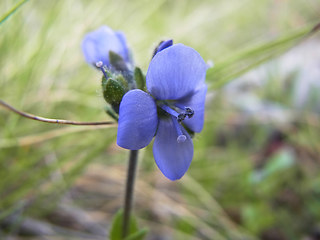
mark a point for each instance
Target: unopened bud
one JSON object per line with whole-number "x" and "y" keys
{"x": 113, "y": 92}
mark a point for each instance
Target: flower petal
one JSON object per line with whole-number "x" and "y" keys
{"x": 97, "y": 44}
{"x": 175, "y": 72}
{"x": 196, "y": 102}
{"x": 172, "y": 158}
{"x": 138, "y": 120}
{"x": 163, "y": 45}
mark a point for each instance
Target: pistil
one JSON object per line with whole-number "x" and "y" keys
{"x": 100, "y": 65}
{"x": 181, "y": 137}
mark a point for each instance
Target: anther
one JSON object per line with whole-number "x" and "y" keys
{"x": 189, "y": 112}
{"x": 181, "y": 117}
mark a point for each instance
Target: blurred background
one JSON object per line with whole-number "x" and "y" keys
{"x": 255, "y": 172}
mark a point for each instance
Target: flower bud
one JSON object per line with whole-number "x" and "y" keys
{"x": 113, "y": 92}
{"x": 98, "y": 44}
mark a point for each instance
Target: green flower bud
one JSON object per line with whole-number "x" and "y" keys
{"x": 113, "y": 92}
{"x": 121, "y": 80}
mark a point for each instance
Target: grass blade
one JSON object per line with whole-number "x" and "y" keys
{"x": 12, "y": 11}
{"x": 239, "y": 63}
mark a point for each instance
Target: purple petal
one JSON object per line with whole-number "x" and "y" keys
{"x": 197, "y": 103}
{"x": 138, "y": 120}
{"x": 97, "y": 44}
{"x": 175, "y": 72}
{"x": 164, "y": 45}
{"x": 172, "y": 158}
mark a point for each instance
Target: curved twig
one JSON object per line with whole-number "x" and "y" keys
{"x": 51, "y": 120}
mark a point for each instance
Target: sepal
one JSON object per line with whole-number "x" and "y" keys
{"x": 122, "y": 81}
{"x": 140, "y": 79}
{"x": 117, "y": 62}
{"x": 113, "y": 92}
{"x": 111, "y": 112}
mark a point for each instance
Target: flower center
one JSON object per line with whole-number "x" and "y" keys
{"x": 178, "y": 117}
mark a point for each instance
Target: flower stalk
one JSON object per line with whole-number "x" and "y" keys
{"x": 128, "y": 200}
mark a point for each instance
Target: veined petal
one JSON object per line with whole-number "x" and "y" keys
{"x": 172, "y": 158}
{"x": 196, "y": 102}
{"x": 175, "y": 72}
{"x": 97, "y": 44}
{"x": 138, "y": 120}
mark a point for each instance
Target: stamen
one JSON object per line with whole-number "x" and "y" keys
{"x": 170, "y": 110}
{"x": 187, "y": 111}
{"x": 181, "y": 137}
{"x": 181, "y": 117}
{"x": 100, "y": 65}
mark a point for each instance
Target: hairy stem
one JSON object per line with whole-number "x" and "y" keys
{"x": 133, "y": 158}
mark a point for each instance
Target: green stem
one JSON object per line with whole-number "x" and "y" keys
{"x": 133, "y": 158}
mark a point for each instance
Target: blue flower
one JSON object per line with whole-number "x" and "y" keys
{"x": 97, "y": 45}
{"x": 176, "y": 82}
{"x": 163, "y": 45}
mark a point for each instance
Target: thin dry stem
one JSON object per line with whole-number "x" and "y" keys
{"x": 52, "y": 120}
